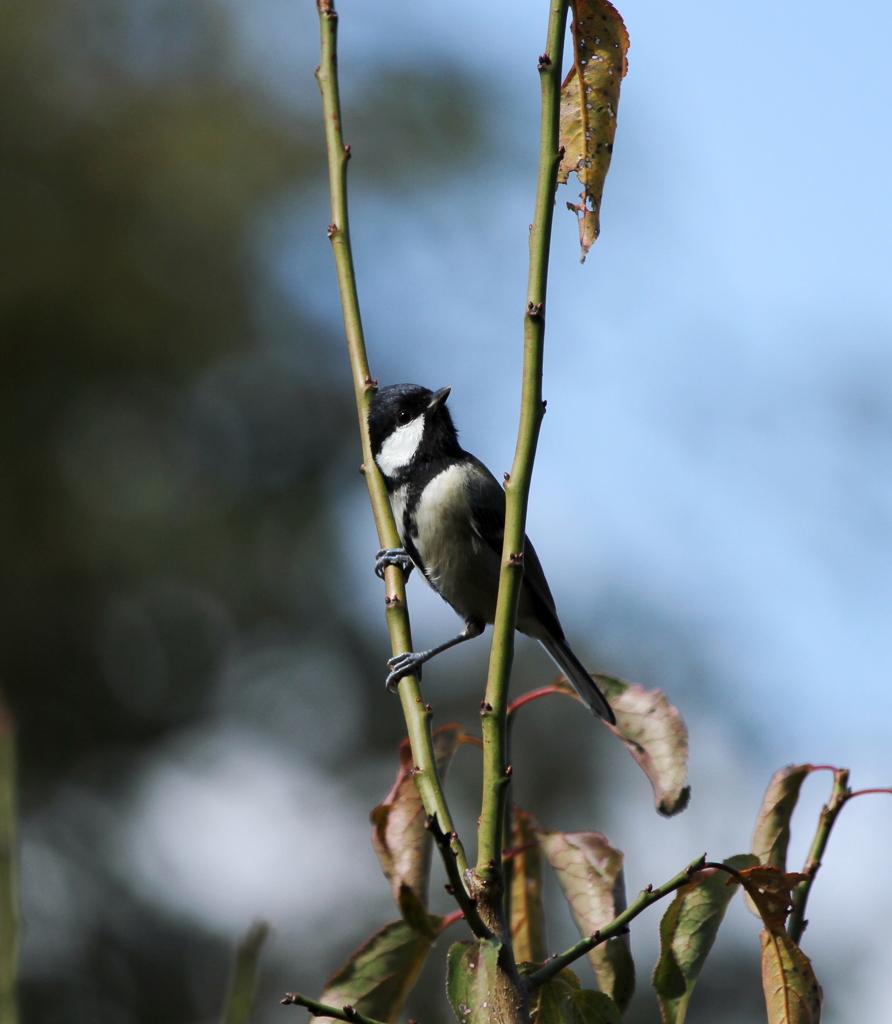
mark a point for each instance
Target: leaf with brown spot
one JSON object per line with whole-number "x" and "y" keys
{"x": 474, "y": 986}
{"x": 654, "y": 733}
{"x": 590, "y": 871}
{"x": 589, "y": 101}
{"x": 792, "y": 992}
{"x": 527, "y": 911}
{"x": 400, "y": 839}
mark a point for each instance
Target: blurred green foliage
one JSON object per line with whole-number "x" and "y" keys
{"x": 167, "y": 420}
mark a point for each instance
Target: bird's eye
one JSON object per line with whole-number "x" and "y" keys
{"x": 404, "y": 417}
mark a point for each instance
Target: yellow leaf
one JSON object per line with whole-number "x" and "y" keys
{"x": 589, "y": 101}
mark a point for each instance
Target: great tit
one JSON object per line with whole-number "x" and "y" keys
{"x": 450, "y": 512}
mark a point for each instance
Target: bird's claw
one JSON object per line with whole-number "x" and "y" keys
{"x": 393, "y": 556}
{"x": 403, "y": 665}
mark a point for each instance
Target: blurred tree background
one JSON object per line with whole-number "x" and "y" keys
{"x": 168, "y": 430}
{"x": 189, "y": 639}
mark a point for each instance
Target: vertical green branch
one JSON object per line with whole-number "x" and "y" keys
{"x": 417, "y": 713}
{"x": 495, "y": 708}
{"x": 838, "y": 799}
{"x": 9, "y": 895}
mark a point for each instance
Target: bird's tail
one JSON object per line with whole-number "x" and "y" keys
{"x": 582, "y": 681}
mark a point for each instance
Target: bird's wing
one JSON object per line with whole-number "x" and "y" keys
{"x": 487, "y": 501}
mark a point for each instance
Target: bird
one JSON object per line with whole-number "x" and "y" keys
{"x": 450, "y": 514}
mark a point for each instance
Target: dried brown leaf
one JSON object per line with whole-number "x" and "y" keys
{"x": 400, "y": 839}
{"x": 527, "y": 911}
{"x": 589, "y": 101}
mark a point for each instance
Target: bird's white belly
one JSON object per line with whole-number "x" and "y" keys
{"x": 462, "y": 569}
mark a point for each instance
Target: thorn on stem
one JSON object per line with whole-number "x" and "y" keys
{"x": 509, "y": 771}
{"x": 370, "y": 383}
{"x": 450, "y": 889}
{"x": 392, "y": 601}
{"x": 544, "y": 62}
{"x": 649, "y": 888}
{"x": 515, "y": 558}
{"x": 362, "y": 468}
{"x": 347, "y": 153}
{"x": 485, "y": 707}
{"x": 332, "y": 230}
{"x": 534, "y": 310}
{"x": 428, "y": 707}
{"x": 507, "y": 477}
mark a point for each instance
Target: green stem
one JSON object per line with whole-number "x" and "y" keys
{"x": 838, "y": 799}
{"x": 618, "y": 926}
{"x": 318, "y": 1009}
{"x": 417, "y": 713}
{"x": 9, "y": 896}
{"x": 495, "y": 707}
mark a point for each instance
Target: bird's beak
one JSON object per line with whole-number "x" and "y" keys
{"x": 438, "y": 398}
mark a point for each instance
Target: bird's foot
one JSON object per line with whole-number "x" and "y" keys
{"x": 404, "y": 665}
{"x": 392, "y": 556}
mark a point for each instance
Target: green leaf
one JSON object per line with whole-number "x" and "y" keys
{"x": 243, "y": 982}
{"x": 687, "y": 933}
{"x": 563, "y": 1001}
{"x": 527, "y": 911}
{"x": 380, "y": 974}
{"x": 590, "y": 871}
{"x": 655, "y": 734}
{"x": 772, "y": 835}
{"x": 588, "y": 124}
{"x": 400, "y": 839}
{"x": 472, "y": 980}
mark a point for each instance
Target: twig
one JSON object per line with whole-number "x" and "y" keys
{"x": 9, "y": 894}
{"x": 495, "y": 775}
{"x": 456, "y": 885}
{"x": 318, "y": 1009}
{"x": 618, "y": 926}
{"x": 840, "y": 795}
{"x": 531, "y": 695}
{"x": 418, "y": 718}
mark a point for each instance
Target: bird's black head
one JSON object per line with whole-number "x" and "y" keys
{"x": 409, "y": 424}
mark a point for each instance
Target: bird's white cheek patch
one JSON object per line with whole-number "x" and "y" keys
{"x": 399, "y": 449}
